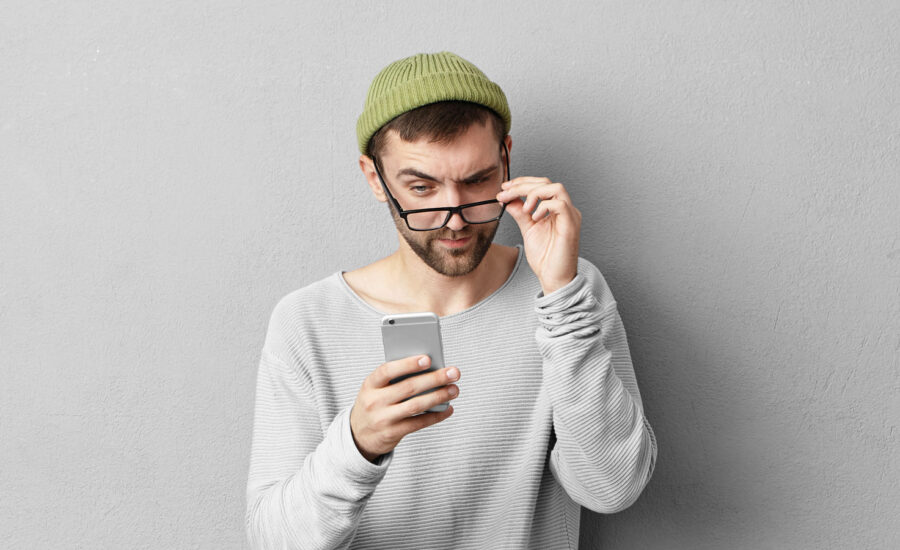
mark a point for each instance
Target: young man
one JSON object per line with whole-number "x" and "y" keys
{"x": 545, "y": 411}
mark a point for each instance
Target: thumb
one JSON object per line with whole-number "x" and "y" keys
{"x": 516, "y": 209}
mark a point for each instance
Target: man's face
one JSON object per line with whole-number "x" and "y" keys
{"x": 423, "y": 174}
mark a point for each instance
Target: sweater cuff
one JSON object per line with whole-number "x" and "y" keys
{"x": 357, "y": 466}
{"x": 570, "y": 309}
{"x": 577, "y": 282}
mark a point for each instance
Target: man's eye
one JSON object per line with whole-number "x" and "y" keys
{"x": 419, "y": 189}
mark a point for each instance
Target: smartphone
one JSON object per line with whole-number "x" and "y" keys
{"x": 406, "y": 334}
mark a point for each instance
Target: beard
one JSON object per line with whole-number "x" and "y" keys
{"x": 450, "y": 262}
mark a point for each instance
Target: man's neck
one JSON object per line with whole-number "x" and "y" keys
{"x": 402, "y": 282}
{"x": 429, "y": 290}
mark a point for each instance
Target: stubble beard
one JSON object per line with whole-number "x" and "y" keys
{"x": 450, "y": 262}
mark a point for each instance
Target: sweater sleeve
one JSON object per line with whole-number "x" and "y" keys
{"x": 307, "y": 485}
{"x": 605, "y": 450}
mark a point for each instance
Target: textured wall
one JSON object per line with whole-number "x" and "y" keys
{"x": 169, "y": 170}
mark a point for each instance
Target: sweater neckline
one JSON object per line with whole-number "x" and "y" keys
{"x": 453, "y": 317}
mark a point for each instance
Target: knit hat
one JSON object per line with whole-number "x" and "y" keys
{"x": 426, "y": 78}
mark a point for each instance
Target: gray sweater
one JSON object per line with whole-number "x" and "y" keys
{"x": 549, "y": 417}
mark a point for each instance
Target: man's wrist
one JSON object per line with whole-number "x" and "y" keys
{"x": 365, "y": 454}
{"x": 553, "y": 286}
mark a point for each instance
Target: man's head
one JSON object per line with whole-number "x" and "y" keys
{"x": 423, "y": 79}
{"x": 432, "y": 134}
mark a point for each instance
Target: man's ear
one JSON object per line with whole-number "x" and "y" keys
{"x": 368, "y": 169}
{"x": 508, "y": 141}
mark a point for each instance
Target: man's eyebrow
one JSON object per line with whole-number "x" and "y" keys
{"x": 415, "y": 173}
{"x": 423, "y": 176}
{"x": 479, "y": 175}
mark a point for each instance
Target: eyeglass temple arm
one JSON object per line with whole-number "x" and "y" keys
{"x": 387, "y": 191}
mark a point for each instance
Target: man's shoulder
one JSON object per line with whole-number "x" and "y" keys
{"x": 299, "y": 316}
{"x": 329, "y": 285}
{"x": 313, "y": 297}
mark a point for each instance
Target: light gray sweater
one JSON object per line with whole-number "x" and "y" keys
{"x": 549, "y": 417}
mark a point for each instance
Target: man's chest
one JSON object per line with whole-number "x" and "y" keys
{"x": 499, "y": 362}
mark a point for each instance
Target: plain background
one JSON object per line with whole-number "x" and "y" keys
{"x": 170, "y": 170}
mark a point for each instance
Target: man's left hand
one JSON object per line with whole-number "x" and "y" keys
{"x": 550, "y": 233}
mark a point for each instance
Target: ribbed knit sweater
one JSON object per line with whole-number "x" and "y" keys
{"x": 549, "y": 417}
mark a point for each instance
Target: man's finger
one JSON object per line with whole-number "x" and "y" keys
{"x": 423, "y": 420}
{"x": 515, "y": 208}
{"x": 524, "y": 180}
{"x": 386, "y": 372}
{"x": 533, "y": 192}
{"x": 568, "y": 220}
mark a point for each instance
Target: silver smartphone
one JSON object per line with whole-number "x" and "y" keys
{"x": 406, "y": 334}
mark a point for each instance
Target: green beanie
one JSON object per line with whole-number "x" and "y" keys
{"x": 421, "y": 79}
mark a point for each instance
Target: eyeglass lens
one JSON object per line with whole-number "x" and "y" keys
{"x": 479, "y": 213}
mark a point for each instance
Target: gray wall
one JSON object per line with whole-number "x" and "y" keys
{"x": 169, "y": 170}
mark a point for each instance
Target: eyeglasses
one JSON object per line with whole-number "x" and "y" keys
{"x": 429, "y": 219}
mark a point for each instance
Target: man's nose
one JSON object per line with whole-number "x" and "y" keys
{"x": 456, "y": 222}
{"x": 454, "y": 197}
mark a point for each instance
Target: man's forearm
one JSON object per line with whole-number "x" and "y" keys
{"x": 605, "y": 450}
{"x": 320, "y": 505}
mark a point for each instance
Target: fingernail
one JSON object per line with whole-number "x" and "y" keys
{"x": 452, "y": 374}
{"x": 452, "y": 391}
{"x": 423, "y": 361}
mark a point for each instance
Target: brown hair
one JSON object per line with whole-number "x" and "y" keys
{"x": 440, "y": 122}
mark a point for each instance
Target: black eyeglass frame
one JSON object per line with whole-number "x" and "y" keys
{"x": 450, "y": 210}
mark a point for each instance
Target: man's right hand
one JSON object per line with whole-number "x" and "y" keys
{"x": 378, "y": 419}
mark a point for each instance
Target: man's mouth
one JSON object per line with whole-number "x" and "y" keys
{"x": 455, "y": 243}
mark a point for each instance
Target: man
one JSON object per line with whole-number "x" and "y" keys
{"x": 545, "y": 411}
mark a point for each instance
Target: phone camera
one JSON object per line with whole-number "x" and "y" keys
{"x": 390, "y": 321}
